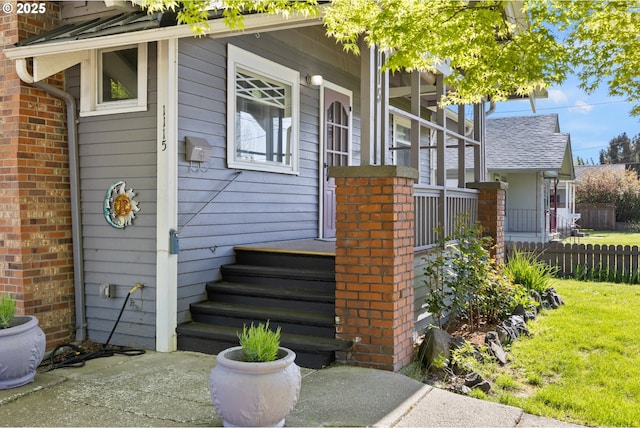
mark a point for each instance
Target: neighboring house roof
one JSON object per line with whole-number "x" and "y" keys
{"x": 527, "y": 144}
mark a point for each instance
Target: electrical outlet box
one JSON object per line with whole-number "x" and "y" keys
{"x": 197, "y": 149}
{"x": 107, "y": 291}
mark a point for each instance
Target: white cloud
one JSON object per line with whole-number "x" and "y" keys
{"x": 557, "y": 96}
{"x": 581, "y": 107}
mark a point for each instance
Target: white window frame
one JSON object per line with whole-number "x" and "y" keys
{"x": 91, "y": 75}
{"x": 240, "y": 59}
{"x": 397, "y": 142}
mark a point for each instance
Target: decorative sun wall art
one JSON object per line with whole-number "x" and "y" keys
{"x": 119, "y": 206}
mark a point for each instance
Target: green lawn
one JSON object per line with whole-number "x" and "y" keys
{"x": 606, "y": 237}
{"x": 582, "y": 362}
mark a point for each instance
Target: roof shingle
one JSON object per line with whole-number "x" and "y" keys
{"x": 525, "y": 143}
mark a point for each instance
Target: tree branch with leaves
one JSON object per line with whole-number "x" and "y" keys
{"x": 494, "y": 54}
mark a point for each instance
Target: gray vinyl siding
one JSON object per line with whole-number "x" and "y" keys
{"x": 258, "y": 206}
{"x": 117, "y": 147}
{"x": 420, "y": 291}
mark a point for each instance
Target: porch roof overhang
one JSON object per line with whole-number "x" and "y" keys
{"x": 70, "y": 44}
{"x": 547, "y": 173}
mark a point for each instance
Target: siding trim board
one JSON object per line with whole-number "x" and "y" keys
{"x": 167, "y": 188}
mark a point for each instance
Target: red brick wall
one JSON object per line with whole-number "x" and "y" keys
{"x": 491, "y": 213}
{"x": 36, "y": 262}
{"x": 375, "y": 264}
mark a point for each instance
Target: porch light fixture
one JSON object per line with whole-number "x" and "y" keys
{"x": 314, "y": 80}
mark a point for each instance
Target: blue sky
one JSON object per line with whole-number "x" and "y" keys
{"x": 592, "y": 120}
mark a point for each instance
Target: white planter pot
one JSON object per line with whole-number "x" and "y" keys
{"x": 254, "y": 394}
{"x": 21, "y": 351}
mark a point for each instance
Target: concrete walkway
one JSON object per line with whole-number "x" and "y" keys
{"x": 158, "y": 389}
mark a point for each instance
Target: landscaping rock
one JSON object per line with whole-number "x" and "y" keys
{"x": 495, "y": 347}
{"x": 491, "y": 336}
{"x": 506, "y": 333}
{"x": 519, "y": 324}
{"x": 551, "y": 296}
{"x": 483, "y": 386}
{"x": 519, "y": 309}
{"x": 461, "y": 389}
{"x": 537, "y": 297}
{"x": 529, "y": 313}
{"x": 498, "y": 352}
{"x": 436, "y": 342}
{"x": 458, "y": 342}
{"x": 511, "y": 329}
{"x": 474, "y": 380}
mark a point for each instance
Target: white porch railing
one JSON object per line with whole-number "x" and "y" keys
{"x": 434, "y": 203}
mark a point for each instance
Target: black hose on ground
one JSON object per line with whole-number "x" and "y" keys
{"x": 72, "y": 356}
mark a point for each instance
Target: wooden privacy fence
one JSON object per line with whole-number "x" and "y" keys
{"x": 573, "y": 258}
{"x": 597, "y": 216}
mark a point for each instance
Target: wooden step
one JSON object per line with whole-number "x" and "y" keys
{"x": 289, "y": 320}
{"x": 311, "y": 352}
{"x": 275, "y": 292}
{"x": 278, "y": 276}
{"x": 285, "y": 258}
{"x": 308, "y": 299}
{"x": 291, "y": 285}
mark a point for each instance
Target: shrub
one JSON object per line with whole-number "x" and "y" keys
{"x": 500, "y": 296}
{"x": 468, "y": 358}
{"x": 527, "y": 270}
{"x": 7, "y": 310}
{"x": 465, "y": 281}
{"x": 259, "y": 343}
{"x": 618, "y": 187}
{"x": 456, "y": 273}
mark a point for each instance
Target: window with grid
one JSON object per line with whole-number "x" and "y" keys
{"x": 262, "y": 114}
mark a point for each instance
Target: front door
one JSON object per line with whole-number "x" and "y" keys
{"x": 336, "y": 150}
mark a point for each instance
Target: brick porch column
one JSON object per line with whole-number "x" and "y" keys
{"x": 491, "y": 213}
{"x": 36, "y": 259}
{"x": 374, "y": 264}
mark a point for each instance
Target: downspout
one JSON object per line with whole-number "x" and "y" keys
{"x": 74, "y": 184}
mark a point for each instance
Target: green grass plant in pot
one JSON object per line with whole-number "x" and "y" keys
{"x": 22, "y": 345}
{"x": 256, "y": 383}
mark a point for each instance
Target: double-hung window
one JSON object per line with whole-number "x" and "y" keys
{"x": 401, "y": 141}
{"x": 262, "y": 115}
{"x": 114, "y": 80}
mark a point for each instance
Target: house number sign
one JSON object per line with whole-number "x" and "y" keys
{"x": 119, "y": 206}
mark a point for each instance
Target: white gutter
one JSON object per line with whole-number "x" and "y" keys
{"x": 22, "y": 71}
{"x": 253, "y": 24}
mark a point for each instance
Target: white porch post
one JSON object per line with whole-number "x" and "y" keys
{"x": 167, "y": 188}
{"x": 441, "y": 142}
{"x": 462, "y": 152}
{"x": 479, "y": 170}
{"x": 367, "y": 107}
{"x": 415, "y": 125}
{"x": 374, "y": 123}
